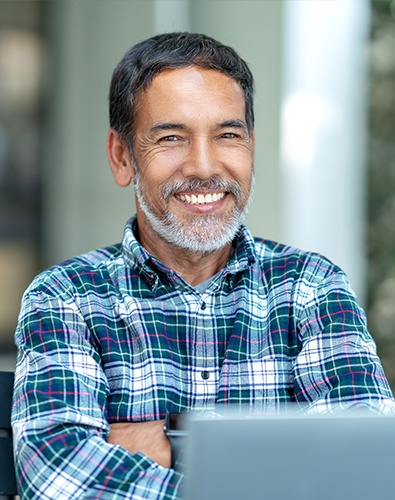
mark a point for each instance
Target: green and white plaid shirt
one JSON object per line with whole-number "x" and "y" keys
{"x": 115, "y": 335}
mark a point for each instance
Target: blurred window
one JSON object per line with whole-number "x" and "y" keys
{"x": 21, "y": 75}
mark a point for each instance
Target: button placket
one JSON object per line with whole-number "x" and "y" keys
{"x": 205, "y": 323}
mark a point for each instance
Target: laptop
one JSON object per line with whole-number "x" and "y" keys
{"x": 350, "y": 456}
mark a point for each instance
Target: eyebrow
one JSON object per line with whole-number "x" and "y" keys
{"x": 167, "y": 126}
{"x": 233, "y": 123}
{"x": 179, "y": 126}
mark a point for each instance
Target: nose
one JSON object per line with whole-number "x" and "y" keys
{"x": 202, "y": 160}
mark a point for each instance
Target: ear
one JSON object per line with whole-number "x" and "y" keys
{"x": 253, "y": 144}
{"x": 119, "y": 159}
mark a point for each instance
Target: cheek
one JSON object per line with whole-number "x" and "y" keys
{"x": 241, "y": 168}
{"x": 241, "y": 155}
{"x": 152, "y": 183}
{"x": 158, "y": 168}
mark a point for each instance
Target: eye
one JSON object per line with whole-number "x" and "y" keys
{"x": 169, "y": 138}
{"x": 229, "y": 135}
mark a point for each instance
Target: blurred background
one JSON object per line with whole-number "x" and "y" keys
{"x": 325, "y": 127}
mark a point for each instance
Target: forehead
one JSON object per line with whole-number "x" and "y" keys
{"x": 189, "y": 91}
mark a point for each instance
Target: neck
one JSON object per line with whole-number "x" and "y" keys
{"x": 193, "y": 267}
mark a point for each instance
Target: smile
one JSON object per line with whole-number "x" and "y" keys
{"x": 200, "y": 199}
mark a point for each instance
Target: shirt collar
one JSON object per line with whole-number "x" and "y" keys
{"x": 243, "y": 253}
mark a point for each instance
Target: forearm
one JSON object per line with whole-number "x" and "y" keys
{"x": 147, "y": 438}
{"x": 337, "y": 366}
{"x": 60, "y": 437}
{"x": 80, "y": 464}
{"x": 348, "y": 380}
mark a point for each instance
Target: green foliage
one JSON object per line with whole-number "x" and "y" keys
{"x": 381, "y": 184}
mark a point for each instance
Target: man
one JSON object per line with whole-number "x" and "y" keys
{"x": 189, "y": 311}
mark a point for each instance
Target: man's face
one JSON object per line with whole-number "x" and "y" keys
{"x": 194, "y": 158}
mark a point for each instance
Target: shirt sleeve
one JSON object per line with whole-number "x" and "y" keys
{"x": 59, "y": 414}
{"x": 337, "y": 367}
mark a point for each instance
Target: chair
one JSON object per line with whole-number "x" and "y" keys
{"x": 8, "y": 488}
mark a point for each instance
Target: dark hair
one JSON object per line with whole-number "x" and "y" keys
{"x": 145, "y": 60}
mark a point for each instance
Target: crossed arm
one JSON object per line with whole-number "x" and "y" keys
{"x": 145, "y": 437}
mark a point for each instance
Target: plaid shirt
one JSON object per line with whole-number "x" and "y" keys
{"x": 115, "y": 335}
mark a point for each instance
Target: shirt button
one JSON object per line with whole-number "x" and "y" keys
{"x": 205, "y": 375}
{"x": 203, "y": 306}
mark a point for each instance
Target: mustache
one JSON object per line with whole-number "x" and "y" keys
{"x": 194, "y": 183}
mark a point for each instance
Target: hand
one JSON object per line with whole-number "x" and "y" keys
{"x": 144, "y": 437}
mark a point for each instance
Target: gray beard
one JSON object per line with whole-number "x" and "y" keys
{"x": 201, "y": 234}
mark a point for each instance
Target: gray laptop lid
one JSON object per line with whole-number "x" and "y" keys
{"x": 291, "y": 457}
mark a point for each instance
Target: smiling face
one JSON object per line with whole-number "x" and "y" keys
{"x": 194, "y": 159}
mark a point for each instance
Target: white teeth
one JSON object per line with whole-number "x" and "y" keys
{"x": 201, "y": 199}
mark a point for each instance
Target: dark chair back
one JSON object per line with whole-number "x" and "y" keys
{"x": 8, "y": 487}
